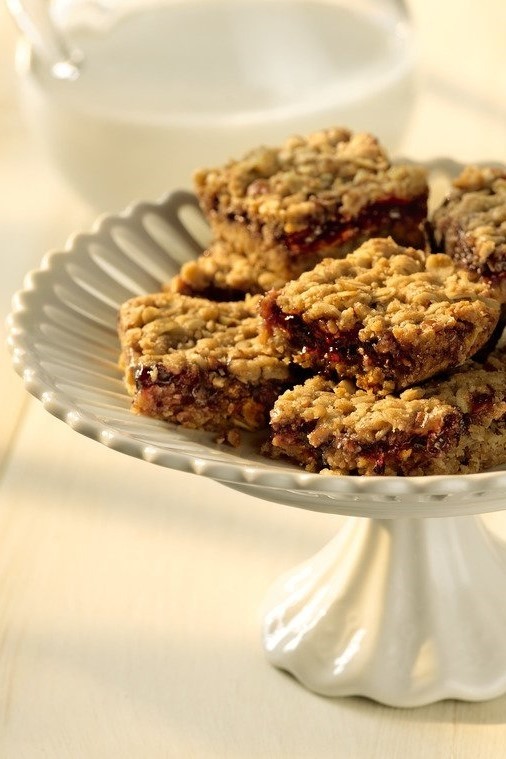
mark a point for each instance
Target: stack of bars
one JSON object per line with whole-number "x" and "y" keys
{"x": 331, "y": 312}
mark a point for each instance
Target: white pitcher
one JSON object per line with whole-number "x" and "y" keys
{"x": 131, "y": 96}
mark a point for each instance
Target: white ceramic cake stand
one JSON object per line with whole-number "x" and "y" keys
{"x": 406, "y": 606}
{"x": 404, "y": 611}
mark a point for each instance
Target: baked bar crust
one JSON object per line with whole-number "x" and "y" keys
{"x": 223, "y": 273}
{"x": 454, "y": 425}
{"x": 199, "y": 363}
{"x": 385, "y": 315}
{"x": 470, "y": 225}
{"x": 315, "y": 196}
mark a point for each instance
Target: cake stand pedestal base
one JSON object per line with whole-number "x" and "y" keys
{"x": 402, "y": 611}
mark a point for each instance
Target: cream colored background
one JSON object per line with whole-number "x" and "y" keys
{"x": 130, "y": 595}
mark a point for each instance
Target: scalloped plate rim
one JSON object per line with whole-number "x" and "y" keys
{"x": 60, "y": 405}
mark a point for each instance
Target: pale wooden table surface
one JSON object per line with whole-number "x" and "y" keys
{"x": 130, "y": 595}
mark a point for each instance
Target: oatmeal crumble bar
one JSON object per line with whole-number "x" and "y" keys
{"x": 315, "y": 196}
{"x": 385, "y": 315}
{"x": 222, "y": 273}
{"x": 470, "y": 225}
{"x": 454, "y": 425}
{"x": 199, "y": 363}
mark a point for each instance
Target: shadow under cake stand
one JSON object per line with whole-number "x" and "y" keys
{"x": 407, "y": 605}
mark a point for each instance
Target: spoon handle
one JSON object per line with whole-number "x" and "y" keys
{"x": 34, "y": 21}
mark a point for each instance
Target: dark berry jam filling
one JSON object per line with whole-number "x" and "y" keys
{"x": 461, "y": 249}
{"x": 399, "y": 218}
{"x": 220, "y": 294}
{"x": 481, "y": 403}
{"x": 388, "y": 451}
{"x": 343, "y": 351}
{"x": 291, "y": 440}
{"x": 192, "y": 399}
{"x": 148, "y": 375}
{"x": 311, "y": 340}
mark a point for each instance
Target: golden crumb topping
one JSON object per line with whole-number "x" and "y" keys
{"x": 179, "y": 332}
{"x": 457, "y": 424}
{"x": 223, "y": 268}
{"x": 305, "y": 181}
{"x": 341, "y": 407}
{"x": 383, "y": 286}
{"x": 472, "y": 221}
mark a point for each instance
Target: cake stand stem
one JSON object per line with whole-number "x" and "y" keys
{"x": 403, "y": 611}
